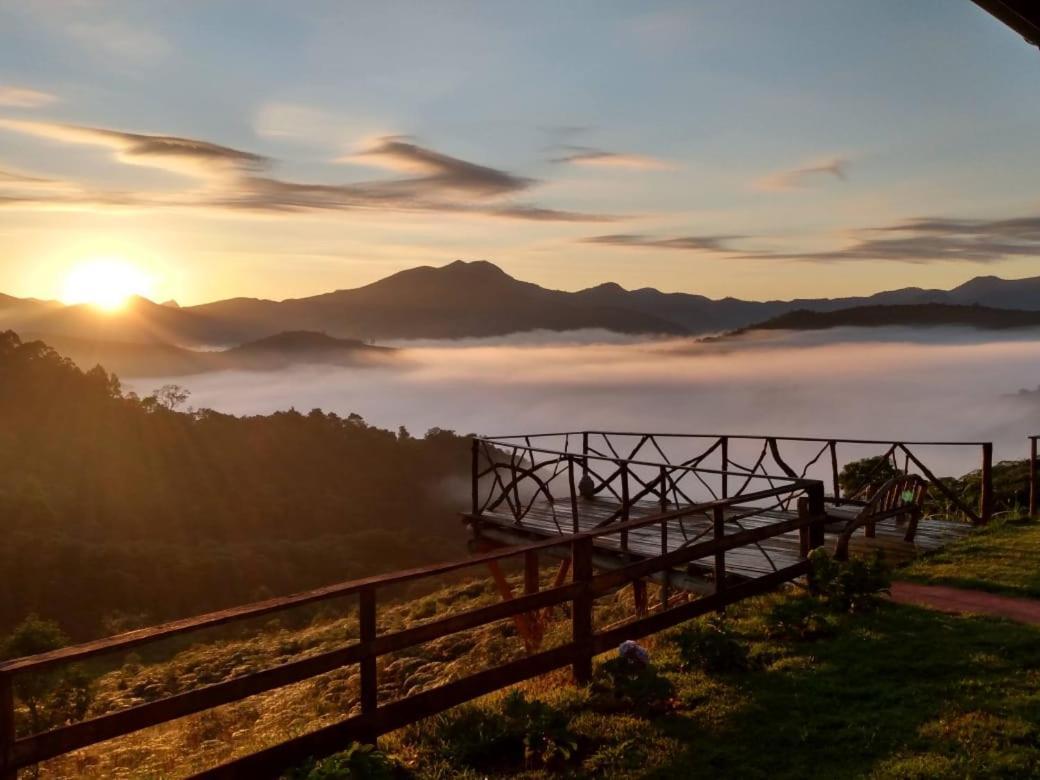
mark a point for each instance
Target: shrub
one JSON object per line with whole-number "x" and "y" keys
{"x": 358, "y": 762}
{"x": 799, "y": 618}
{"x": 517, "y": 732}
{"x": 848, "y": 586}
{"x": 710, "y": 645}
{"x": 51, "y": 698}
{"x": 621, "y": 683}
{"x": 866, "y": 475}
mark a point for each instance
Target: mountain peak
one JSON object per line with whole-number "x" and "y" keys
{"x": 482, "y": 268}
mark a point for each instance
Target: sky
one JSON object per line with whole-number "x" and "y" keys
{"x": 752, "y": 148}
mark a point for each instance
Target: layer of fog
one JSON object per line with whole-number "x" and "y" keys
{"x": 891, "y": 383}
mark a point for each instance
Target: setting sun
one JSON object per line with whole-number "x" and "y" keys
{"x": 106, "y": 283}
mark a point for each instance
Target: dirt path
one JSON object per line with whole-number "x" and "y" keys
{"x": 957, "y": 600}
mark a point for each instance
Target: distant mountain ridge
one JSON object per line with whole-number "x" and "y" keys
{"x": 465, "y": 300}
{"x": 283, "y": 350}
{"x": 914, "y": 315}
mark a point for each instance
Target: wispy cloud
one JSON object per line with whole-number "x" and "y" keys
{"x": 182, "y": 155}
{"x": 934, "y": 240}
{"x": 587, "y": 155}
{"x": 688, "y": 243}
{"x": 440, "y": 173}
{"x": 233, "y": 179}
{"x": 22, "y": 97}
{"x": 806, "y": 176}
{"x": 919, "y": 241}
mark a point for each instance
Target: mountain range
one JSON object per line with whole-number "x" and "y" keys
{"x": 907, "y": 315}
{"x": 462, "y": 299}
{"x": 133, "y": 359}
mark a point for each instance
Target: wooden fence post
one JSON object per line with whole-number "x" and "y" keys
{"x": 475, "y": 469}
{"x": 725, "y": 466}
{"x": 815, "y": 507}
{"x": 664, "y": 573}
{"x": 1032, "y": 476}
{"x": 719, "y": 527}
{"x": 624, "y": 491}
{"x": 7, "y": 733}
{"x": 574, "y": 495}
{"x": 581, "y": 615}
{"x": 986, "y": 496}
{"x": 835, "y": 480}
{"x": 369, "y": 674}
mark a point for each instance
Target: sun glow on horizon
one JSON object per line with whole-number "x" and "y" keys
{"x": 107, "y": 283}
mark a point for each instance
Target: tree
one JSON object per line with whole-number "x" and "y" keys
{"x": 51, "y": 698}
{"x": 171, "y": 396}
{"x": 861, "y": 478}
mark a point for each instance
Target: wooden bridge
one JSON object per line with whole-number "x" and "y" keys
{"x": 617, "y": 510}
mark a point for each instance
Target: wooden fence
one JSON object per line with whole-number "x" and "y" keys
{"x": 1033, "y": 487}
{"x": 377, "y": 718}
{"x": 736, "y": 457}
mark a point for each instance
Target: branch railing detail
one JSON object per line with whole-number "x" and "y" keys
{"x": 377, "y": 718}
{"x": 723, "y": 465}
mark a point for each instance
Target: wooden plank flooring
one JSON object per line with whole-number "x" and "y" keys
{"x": 545, "y": 520}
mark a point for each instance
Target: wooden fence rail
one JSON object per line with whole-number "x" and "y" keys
{"x": 375, "y": 718}
{"x": 772, "y": 451}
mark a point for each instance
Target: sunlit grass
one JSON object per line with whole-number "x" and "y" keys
{"x": 901, "y": 692}
{"x": 1004, "y": 558}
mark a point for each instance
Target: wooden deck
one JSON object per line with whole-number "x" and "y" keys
{"x": 545, "y": 520}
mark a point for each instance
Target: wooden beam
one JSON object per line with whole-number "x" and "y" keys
{"x": 581, "y": 616}
{"x": 1032, "y": 476}
{"x": 1022, "y": 16}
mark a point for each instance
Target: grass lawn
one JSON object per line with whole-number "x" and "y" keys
{"x": 1004, "y": 558}
{"x": 898, "y": 693}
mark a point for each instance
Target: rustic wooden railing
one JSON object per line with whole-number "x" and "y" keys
{"x": 1033, "y": 486}
{"x": 738, "y": 456}
{"x": 377, "y": 718}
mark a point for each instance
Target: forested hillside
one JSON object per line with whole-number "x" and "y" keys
{"x": 118, "y": 510}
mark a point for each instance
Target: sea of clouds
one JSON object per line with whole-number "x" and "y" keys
{"x": 888, "y": 383}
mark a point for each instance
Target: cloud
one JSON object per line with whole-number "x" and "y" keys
{"x": 689, "y": 243}
{"x": 232, "y": 179}
{"x": 21, "y": 97}
{"x": 807, "y": 176}
{"x": 783, "y": 384}
{"x": 565, "y": 131}
{"x": 440, "y": 172}
{"x": 182, "y": 155}
{"x": 587, "y": 155}
{"x": 936, "y": 239}
{"x": 920, "y": 241}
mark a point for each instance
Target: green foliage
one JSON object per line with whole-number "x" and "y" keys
{"x": 709, "y": 644}
{"x": 849, "y": 586}
{"x": 100, "y": 492}
{"x": 1010, "y": 488}
{"x": 626, "y": 756}
{"x": 517, "y": 732}
{"x": 799, "y": 619}
{"x": 622, "y": 684}
{"x": 50, "y": 698}
{"x": 358, "y": 762}
{"x": 861, "y": 478}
